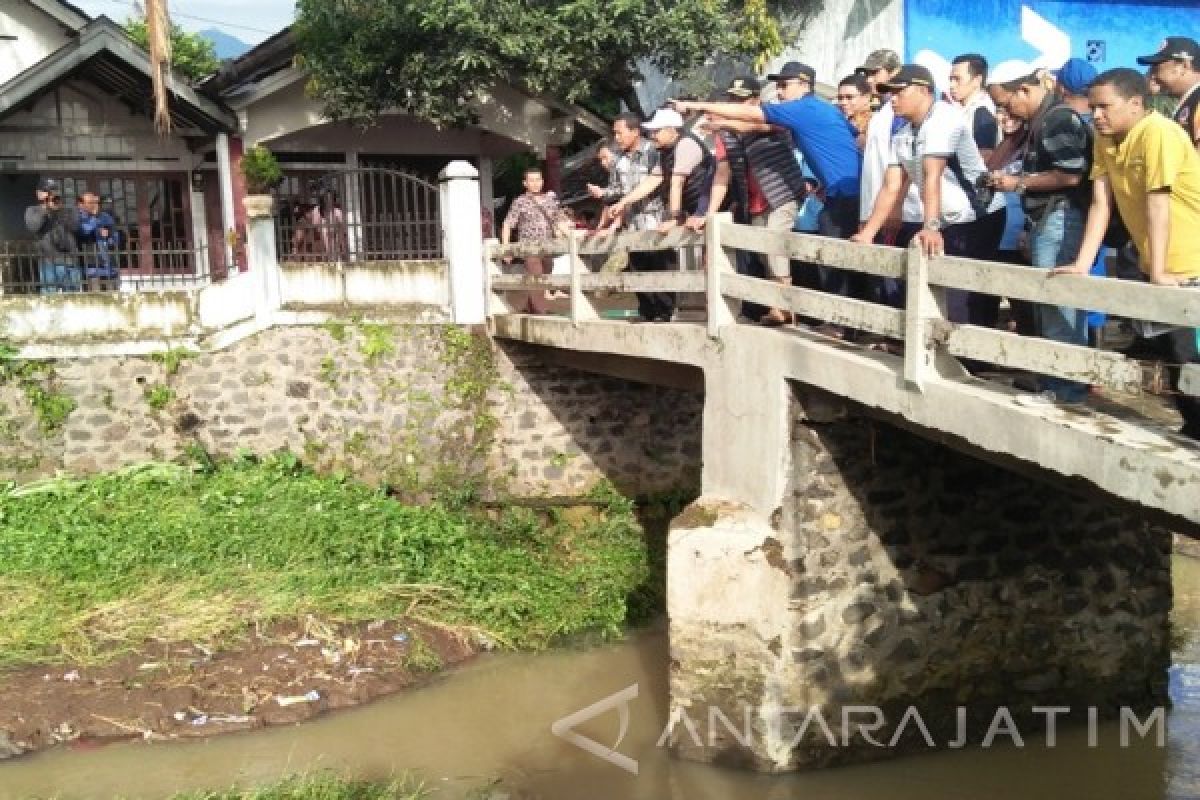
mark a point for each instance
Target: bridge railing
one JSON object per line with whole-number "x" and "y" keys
{"x": 922, "y": 325}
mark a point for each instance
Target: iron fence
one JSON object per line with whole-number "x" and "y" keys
{"x": 95, "y": 268}
{"x": 358, "y": 215}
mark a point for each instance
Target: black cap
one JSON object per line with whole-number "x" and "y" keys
{"x": 48, "y": 185}
{"x": 794, "y": 69}
{"x": 743, "y": 87}
{"x": 909, "y": 75}
{"x": 1174, "y": 47}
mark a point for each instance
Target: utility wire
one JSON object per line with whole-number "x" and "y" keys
{"x": 182, "y": 15}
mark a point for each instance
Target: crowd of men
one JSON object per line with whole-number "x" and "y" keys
{"x": 1046, "y": 168}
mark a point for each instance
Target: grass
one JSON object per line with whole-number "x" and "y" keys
{"x": 93, "y": 569}
{"x": 320, "y": 786}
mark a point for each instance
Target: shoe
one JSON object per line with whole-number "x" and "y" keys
{"x": 1046, "y": 399}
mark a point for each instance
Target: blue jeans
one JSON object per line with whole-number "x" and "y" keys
{"x": 1055, "y": 242}
{"x": 58, "y": 277}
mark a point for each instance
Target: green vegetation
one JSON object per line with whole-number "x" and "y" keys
{"x": 159, "y": 396}
{"x": 191, "y": 54}
{"x": 92, "y": 569}
{"x": 261, "y": 170}
{"x": 37, "y": 380}
{"x": 321, "y": 786}
{"x": 171, "y": 359}
{"x": 434, "y": 58}
{"x": 377, "y": 342}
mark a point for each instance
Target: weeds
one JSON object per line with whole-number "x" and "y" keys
{"x": 321, "y": 786}
{"x": 92, "y": 569}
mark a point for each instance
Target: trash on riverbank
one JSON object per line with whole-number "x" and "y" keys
{"x": 295, "y": 700}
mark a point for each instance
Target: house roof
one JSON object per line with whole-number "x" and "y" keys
{"x": 104, "y": 55}
{"x": 64, "y": 13}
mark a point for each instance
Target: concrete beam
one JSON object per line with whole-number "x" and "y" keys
{"x": 1149, "y": 466}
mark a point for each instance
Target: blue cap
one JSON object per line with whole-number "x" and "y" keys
{"x": 1075, "y": 76}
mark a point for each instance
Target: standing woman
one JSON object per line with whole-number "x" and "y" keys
{"x": 536, "y": 216}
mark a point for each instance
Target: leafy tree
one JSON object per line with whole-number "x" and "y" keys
{"x": 431, "y": 58}
{"x": 191, "y": 54}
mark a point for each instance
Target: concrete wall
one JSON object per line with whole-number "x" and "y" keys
{"x": 37, "y": 34}
{"x": 899, "y": 573}
{"x": 423, "y": 408}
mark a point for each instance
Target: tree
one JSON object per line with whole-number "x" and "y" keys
{"x": 191, "y": 54}
{"x": 432, "y": 58}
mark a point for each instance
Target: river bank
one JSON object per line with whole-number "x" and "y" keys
{"x": 172, "y": 602}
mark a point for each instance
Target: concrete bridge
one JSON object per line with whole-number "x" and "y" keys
{"x": 882, "y": 532}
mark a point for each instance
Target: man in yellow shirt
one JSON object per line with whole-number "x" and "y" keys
{"x": 1145, "y": 164}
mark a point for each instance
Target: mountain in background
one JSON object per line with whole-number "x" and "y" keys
{"x": 226, "y": 46}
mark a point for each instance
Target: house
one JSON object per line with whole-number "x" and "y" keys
{"x": 75, "y": 104}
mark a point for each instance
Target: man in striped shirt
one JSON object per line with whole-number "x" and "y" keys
{"x": 761, "y": 171}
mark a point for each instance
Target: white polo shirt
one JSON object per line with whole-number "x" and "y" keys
{"x": 943, "y": 134}
{"x": 876, "y": 152}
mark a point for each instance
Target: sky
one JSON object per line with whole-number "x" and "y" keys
{"x": 249, "y": 20}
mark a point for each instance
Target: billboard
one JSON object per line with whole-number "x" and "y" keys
{"x": 1043, "y": 33}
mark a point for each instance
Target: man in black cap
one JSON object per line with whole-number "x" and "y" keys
{"x": 55, "y": 228}
{"x": 936, "y": 151}
{"x": 1176, "y": 68}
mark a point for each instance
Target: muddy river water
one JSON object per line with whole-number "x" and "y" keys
{"x": 492, "y": 720}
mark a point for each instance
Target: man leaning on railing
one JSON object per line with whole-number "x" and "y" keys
{"x": 1145, "y": 166}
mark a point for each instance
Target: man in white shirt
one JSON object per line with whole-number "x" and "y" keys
{"x": 876, "y": 152}
{"x": 936, "y": 151}
{"x": 968, "y": 74}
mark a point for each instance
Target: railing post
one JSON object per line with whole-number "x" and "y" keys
{"x": 262, "y": 259}
{"x": 924, "y": 304}
{"x": 719, "y": 260}
{"x": 494, "y": 302}
{"x": 462, "y": 236}
{"x": 582, "y": 309}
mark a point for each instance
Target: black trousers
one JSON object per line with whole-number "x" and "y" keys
{"x": 655, "y": 305}
{"x": 1175, "y": 348}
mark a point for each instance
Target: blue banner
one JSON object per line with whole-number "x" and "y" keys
{"x": 1043, "y": 33}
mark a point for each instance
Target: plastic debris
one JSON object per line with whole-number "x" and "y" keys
{"x": 72, "y": 676}
{"x": 356, "y": 671}
{"x": 308, "y": 643}
{"x": 400, "y": 637}
{"x": 200, "y": 721}
{"x": 295, "y": 700}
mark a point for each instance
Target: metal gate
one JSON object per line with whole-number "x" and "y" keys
{"x": 353, "y": 215}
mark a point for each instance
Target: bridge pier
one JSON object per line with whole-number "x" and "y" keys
{"x": 883, "y": 572}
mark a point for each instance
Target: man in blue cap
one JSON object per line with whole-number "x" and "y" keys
{"x": 1176, "y": 68}
{"x": 1074, "y": 78}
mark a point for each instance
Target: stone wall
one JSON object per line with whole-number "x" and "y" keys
{"x": 422, "y": 408}
{"x": 900, "y": 573}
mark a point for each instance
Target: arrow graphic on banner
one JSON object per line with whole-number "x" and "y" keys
{"x": 1052, "y": 44}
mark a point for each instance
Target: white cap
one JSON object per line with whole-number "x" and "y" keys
{"x": 664, "y": 118}
{"x": 1008, "y": 72}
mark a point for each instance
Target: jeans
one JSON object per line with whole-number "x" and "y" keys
{"x": 1055, "y": 241}
{"x": 55, "y": 278}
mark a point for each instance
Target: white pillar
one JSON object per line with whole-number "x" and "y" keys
{"x": 462, "y": 240}
{"x": 352, "y": 204}
{"x": 263, "y": 261}
{"x": 487, "y": 191}
{"x": 225, "y": 179}
{"x": 200, "y": 235}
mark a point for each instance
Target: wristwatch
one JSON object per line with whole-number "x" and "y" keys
{"x": 933, "y": 225}
{"x": 1020, "y": 190}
